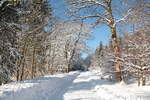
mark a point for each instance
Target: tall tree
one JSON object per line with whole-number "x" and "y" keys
{"x": 102, "y": 12}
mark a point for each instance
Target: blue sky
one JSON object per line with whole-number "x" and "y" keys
{"x": 101, "y": 33}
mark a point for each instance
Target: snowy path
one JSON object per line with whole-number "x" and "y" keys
{"x": 72, "y": 86}
{"x": 88, "y": 86}
{"x": 82, "y": 87}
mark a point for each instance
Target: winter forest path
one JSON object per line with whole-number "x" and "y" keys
{"x": 72, "y": 86}
{"x": 82, "y": 88}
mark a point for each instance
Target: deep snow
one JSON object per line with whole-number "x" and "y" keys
{"x": 72, "y": 86}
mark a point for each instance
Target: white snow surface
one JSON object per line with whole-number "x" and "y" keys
{"x": 72, "y": 86}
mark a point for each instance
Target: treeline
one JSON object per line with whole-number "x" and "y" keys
{"x": 34, "y": 42}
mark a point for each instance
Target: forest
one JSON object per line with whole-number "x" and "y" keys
{"x": 34, "y": 41}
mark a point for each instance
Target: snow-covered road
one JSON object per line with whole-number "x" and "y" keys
{"x": 72, "y": 86}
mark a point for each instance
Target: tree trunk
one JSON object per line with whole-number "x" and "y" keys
{"x": 68, "y": 67}
{"x": 33, "y": 63}
{"x": 142, "y": 79}
{"x": 138, "y": 77}
{"x": 22, "y": 72}
{"x": 17, "y": 75}
{"x": 116, "y": 44}
{"x": 117, "y": 53}
{"x": 22, "y": 60}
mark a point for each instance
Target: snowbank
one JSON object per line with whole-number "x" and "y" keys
{"x": 45, "y": 88}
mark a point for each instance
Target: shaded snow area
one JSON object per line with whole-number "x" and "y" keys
{"x": 72, "y": 86}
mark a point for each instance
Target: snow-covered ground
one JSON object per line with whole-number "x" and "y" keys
{"x": 72, "y": 86}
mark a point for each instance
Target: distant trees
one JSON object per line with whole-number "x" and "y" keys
{"x": 67, "y": 42}
{"x": 103, "y": 61}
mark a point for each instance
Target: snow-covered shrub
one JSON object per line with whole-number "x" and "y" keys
{"x": 103, "y": 61}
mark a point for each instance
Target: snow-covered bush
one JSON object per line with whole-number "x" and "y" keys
{"x": 103, "y": 61}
